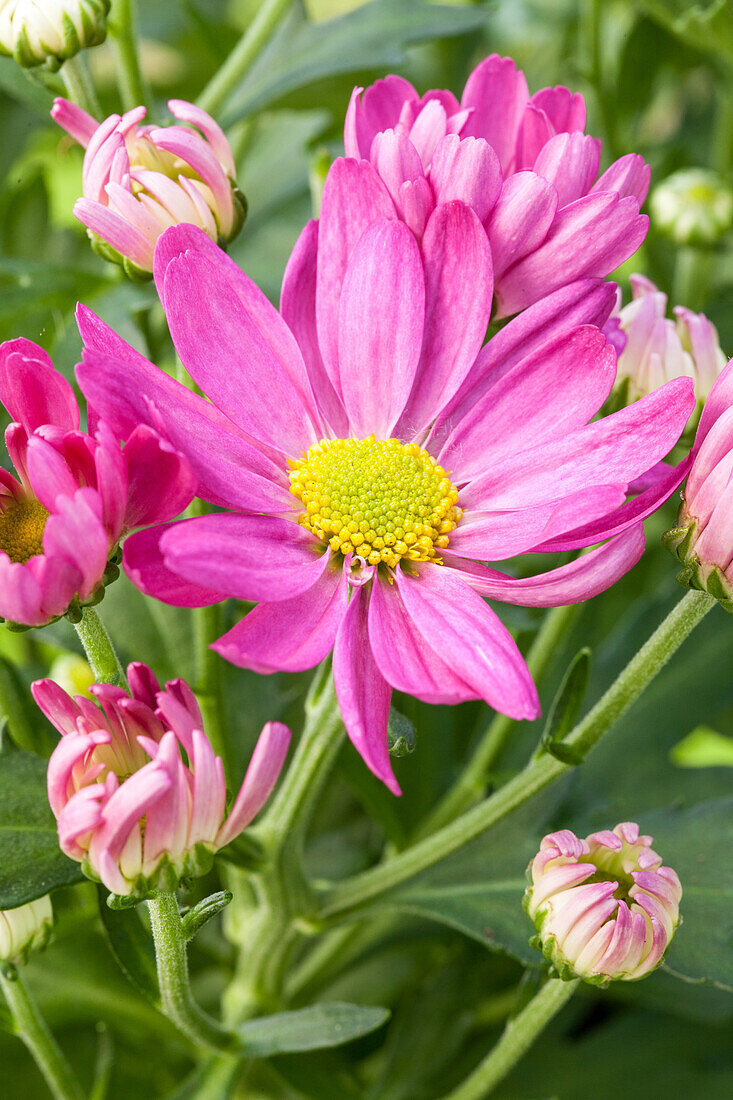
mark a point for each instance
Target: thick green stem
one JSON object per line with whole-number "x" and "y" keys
{"x": 516, "y": 1039}
{"x": 244, "y": 54}
{"x": 359, "y": 891}
{"x": 79, "y": 86}
{"x": 175, "y": 988}
{"x": 101, "y": 655}
{"x": 34, "y": 1032}
{"x": 123, "y": 27}
{"x": 470, "y": 786}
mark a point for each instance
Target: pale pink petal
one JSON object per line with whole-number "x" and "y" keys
{"x": 117, "y": 231}
{"x": 77, "y": 122}
{"x": 262, "y": 774}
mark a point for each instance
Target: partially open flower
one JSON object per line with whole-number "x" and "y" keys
{"x": 75, "y": 495}
{"x": 139, "y": 180}
{"x": 35, "y": 32}
{"x": 658, "y": 349}
{"x": 25, "y": 929}
{"x": 703, "y": 537}
{"x": 693, "y": 206}
{"x": 605, "y": 908}
{"x": 137, "y": 791}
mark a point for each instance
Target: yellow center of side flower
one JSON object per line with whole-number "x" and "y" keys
{"x": 21, "y": 529}
{"x": 382, "y": 499}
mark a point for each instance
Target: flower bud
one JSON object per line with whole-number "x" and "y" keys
{"x": 703, "y": 537}
{"x": 693, "y": 207}
{"x": 605, "y": 908}
{"x": 37, "y": 32}
{"x": 25, "y": 929}
{"x": 138, "y": 794}
{"x": 657, "y": 349}
{"x": 140, "y": 180}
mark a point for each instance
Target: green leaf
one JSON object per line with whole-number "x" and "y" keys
{"x": 131, "y": 946}
{"x": 25, "y": 86}
{"x": 565, "y": 710}
{"x": 704, "y": 24}
{"x": 314, "y": 1028}
{"x": 31, "y": 862}
{"x": 374, "y": 36}
{"x": 703, "y": 748}
{"x": 401, "y": 734}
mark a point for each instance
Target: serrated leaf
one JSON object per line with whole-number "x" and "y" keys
{"x": 314, "y": 1028}
{"x": 374, "y": 36}
{"x": 31, "y": 862}
{"x": 131, "y": 946}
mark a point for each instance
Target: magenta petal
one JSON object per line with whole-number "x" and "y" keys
{"x": 458, "y": 292}
{"x": 144, "y": 565}
{"x": 262, "y": 774}
{"x": 397, "y": 161}
{"x": 497, "y": 92}
{"x": 719, "y": 401}
{"x": 404, "y": 657}
{"x": 75, "y": 532}
{"x": 628, "y": 175}
{"x": 570, "y": 163}
{"x": 161, "y": 482}
{"x": 32, "y": 391}
{"x": 579, "y": 580}
{"x": 553, "y": 391}
{"x": 468, "y": 170}
{"x": 565, "y": 110}
{"x": 240, "y": 351}
{"x": 363, "y": 694}
{"x": 457, "y": 624}
{"x": 293, "y": 634}
{"x": 298, "y": 308}
{"x": 381, "y": 319}
{"x": 247, "y": 557}
{"x": 49, "y": 473}
{"x": 521, "y": 219}
{"x": 20, "y": 594}
{"x": 353, "y": 197}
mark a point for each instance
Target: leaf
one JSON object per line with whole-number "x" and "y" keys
{"x": 565, "y": 710}
{"x": 31, "y": 862}
{"x": 314, "y": 1028}
{"x": 401, "y": 734}
{"x": 703, "y": 748}
{"x": 374, "y": 36}
{"x": 131, "y": 946}
{"x": 25, "y": 87}
{"x": 706, "y": 25}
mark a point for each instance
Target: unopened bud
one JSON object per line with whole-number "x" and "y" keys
{"x": 692, "y": 207}
{"x": 25, "y": 929}
{"x": 37, "y": 32}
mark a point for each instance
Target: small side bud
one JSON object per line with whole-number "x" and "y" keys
{"x": 605, "y": 908}
{"x": 693, "y": 207}
{"x": 49, "y": 32}
{"x": 25, "y": 929}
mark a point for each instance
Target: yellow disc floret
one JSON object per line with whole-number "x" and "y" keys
{"x": 378, "y": 498}
{"x": 21, "y": 529}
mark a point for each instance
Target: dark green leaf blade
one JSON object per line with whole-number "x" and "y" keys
{"x": 314, "y": 1028}
{"x": 131, "y": 946}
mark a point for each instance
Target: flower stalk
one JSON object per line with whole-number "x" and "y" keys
{"x": 359, "y": 891}
{"x": 123, "y": 28}
{"x": 79, "y": 85}
{"x": 517, "y": 1037}
{"x": 244, "y": 54}
{"x": 100, "y": 651}
{"x": 33, "y": 1030}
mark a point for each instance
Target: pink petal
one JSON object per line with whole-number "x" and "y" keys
{"x": 381, "y": 318}
{"x": 161, "y": 482}
{"x": 75, "y": 532}
{"x": 363, "y": 695}
{"x": 117, "y": 231}
{"x": 80, "y": 125}
{"x": 32, "y": 391}
{"x": 396, "y": 160}
{"x": 215, "y": 136}
{"x": 521, "y": 219}
{"x": 497, "y": 92}
{"x": 49, "y": 473}
{"x": 464, "y": 631}
{"x": 570, "y": 163}
{"x": 466, "y": 169}
{"x": 143, "y": 562}
{"x": 262, "y": 774}
{"x": 428, "y": 129}
{"x": 564, "y": 109}
{"x": 194, "y": 151}
{"x": 629, "y": 175}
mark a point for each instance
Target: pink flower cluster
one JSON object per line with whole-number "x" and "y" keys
{"x": 139, "y": 180}
{"x": 605, "y": 908}
{"x": 522, "y": 163}
{"x": 75, "y": 495}
{"x": 136, "y": 813}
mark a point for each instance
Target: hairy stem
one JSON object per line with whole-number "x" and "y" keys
{"x": 33, "y": 1030}
{"x": 244, "y": 54}
{"x": 100, "y": 652}
{"x": 79, "y": 86}
{"x": 359, "y": 891}
{"x": 123, "y": 27}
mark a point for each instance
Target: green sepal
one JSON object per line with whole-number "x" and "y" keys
{"x": 204, "y": 911}
{"x": 166, "y": 878}
{"x": 401, "y": 734}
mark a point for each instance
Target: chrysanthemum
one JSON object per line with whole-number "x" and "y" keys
{"x": 75, "y": 495}
{"x": 363, "y": 493}
{"x": 523, "y": 163}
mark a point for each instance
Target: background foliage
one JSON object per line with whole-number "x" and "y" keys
{"x": 445, "y": 957}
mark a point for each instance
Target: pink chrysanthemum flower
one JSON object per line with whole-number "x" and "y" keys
{"x": 363, "y": 498}
{"x": 522, "y": 163}
{"x": 703, "y": 537}
{"x": 129, "y": 807}
{"x": 657, "y": 348}
{"x": 75, "y": 495}
{"x": 139, "y": 180}
{"x": 605, "y": 908}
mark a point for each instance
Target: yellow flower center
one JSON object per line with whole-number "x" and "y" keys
{"x": 382, "y": 499}
{"x": 21, "y": 529}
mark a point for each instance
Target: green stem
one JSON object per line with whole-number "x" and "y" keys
{"x": 244, "y": 54}
{"x": 693, "y": 269}
{"x": 364, "y": 888}
{"x": 123, "y": 28}
{"x": 516, "y": 1039}
{"x": 100, "y": 652}
{"x": 79, "y": 85}
{"x": 470, "y": 786}
{"x": 175, "y": 989}
{"x": 33, "y": 1030}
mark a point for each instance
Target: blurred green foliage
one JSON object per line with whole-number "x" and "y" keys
{"x": 657, "y": 77}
